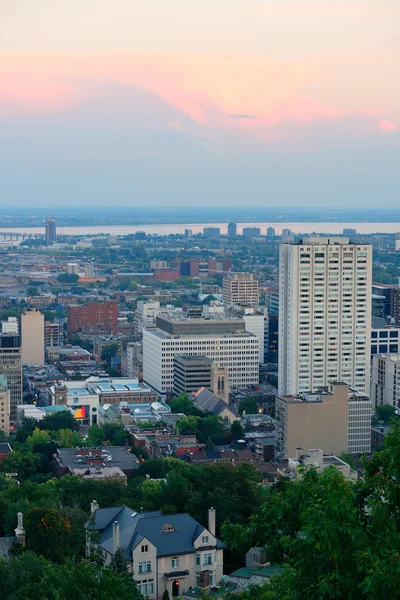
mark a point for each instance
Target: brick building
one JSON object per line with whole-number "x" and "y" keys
{"x": 93, "y": 317}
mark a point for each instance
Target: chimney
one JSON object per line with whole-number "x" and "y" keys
{"x": 19, "y": 531}
{"x": 299, "y": 452}
{"x": 94, "y": 506}
{"x": 211, "y": 520}
{"x": 115, "y": 536}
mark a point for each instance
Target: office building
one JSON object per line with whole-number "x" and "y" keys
{"x": 240, "y": 289}
{"x": 188, "y": 233}
{"x": 385, "y": 340}
{"x": 4, "y": 406}
{"x": 386, "y": 302}
{"x": 32, "y": 337}
{"x": 324, "y": 314}
{"x": 335, "y": 417}
{"x": 232, "y": 231}
{"x": 195, "y": 267}
{"x": 166, "y": 274}
{"x": 251, "y": 232}
{"x": 191, "y": 372}
{"x": 11, "y": 369}
{"x": 51, "y": 231}
{"x": 270, "y": 232}
{"x": 211, "y": 232}
{"x": 93, "y": 318}
{"x": 224, "y": 341}
{"x": 385, "y": 380}
{"x": 145, "y": 315}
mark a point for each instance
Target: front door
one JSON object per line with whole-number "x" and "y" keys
{"x": 175, "y": 587}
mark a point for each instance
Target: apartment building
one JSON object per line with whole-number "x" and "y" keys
{"x": 224, "y": 341}
{"x": 336, "y": 418}
{"x": 51, "y": 334}
{"x": 324, "y": 314}
{"x": 4, "y": 406}
{"x": 93, "y": 317}
{"x": 240, "y": 289}
{"x": 385, "y": 380}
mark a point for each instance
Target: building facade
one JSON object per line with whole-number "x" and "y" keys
{"x": 51, "y": 231}
{"x": 93, "y": 317}
{"x": 191, "y": 373}
{"x": 211, "y": 232}
{"x": 51, "y": 334}
{"x": 251, "y": 232}
{"x": 240, "y": 289}
{"x": 237, "y": 352}
{"x": 337, "y": 418}
{"x": 32, "y": 337}
{"x": 324, "y": 314}
{"x": 232, "y": 231}
{"x": 385, "y": 380}
{"x": 4, "y": 406}
{"x": 11, "y": 369}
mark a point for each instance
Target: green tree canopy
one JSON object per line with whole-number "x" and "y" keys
{"x": 385, "y": 413}
{"x": 249, "y": 405}
{"x": 59, "y": 420}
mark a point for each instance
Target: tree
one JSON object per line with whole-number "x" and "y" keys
{"x": 95, "y": 436}
{"x": 28, "y": 425}
{"x": 24, "y": 463}
{"x": 109, "y": 351}
{"x": 165, "y": 595}
{"x": 69, "y": 439}
{"x": 37, "y": 437}
{"x": 188, "y": 425}
{"x": 349, "y": 459}
{"x": 248, "y": 405}
{"x": 211, "y": 428}
{"x": 119, "y": 563}
{"x": 60, "y": 420}
{"x": 68, "y": 278}
{"x": 47, "y": 532}
{"x": 182, "y": 404}
{"x": 237, "y": 431}
{"x": 385, "y": 413}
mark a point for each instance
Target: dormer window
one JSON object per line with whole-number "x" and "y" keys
{"x": 167, "y": 528}
{"x": 204, "y": 539}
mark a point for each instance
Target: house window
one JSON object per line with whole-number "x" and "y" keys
{"x": 175, "y": 563}
{"x": 146, "y": 587}
{"x": 204, "y": 539}
{"x": 207, "y": 559}
{"x": 197, "y": 560}
{"x": 145, "y": 548}
{"x": 145, "y": 567}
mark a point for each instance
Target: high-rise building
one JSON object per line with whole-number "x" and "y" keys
{"x": 89, "y": 270}
{"x": 32, "y": 337}
{"x": 387, "y": 302}
{"x": 287, "y": 236}
{"x": 270, "y": 232}
{"x": 188, "y": 233}
{"x": 51, "y": 231}
{"x": 336, "y": 417}
{"x": 224, "y": 341}
{"x": 4, "y": 406}
{"x": 93, "y": 318}
{"x": 72, "y": 269}
{"x": 232, "y": 230}
{"x": 211, "y": 232}
{"x": 10, "y": 326}
{"x": 240, "y": 289}
{"x": 191, "y": 373}
{"x": 251, "y": 232}
{"x": 385, "y": 380}
{"x": 324, "y": 314}
{"x": 11, "y": 368}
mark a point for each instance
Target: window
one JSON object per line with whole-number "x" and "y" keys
{"x": 175, "y": 563}
{"x": 145, "y": 567}
{"x": 146, "y": 587}
{"x": 204, "y": 539}
{"x": 197, "y": 560}
{"x": 145, "y": 548}
{"x": 207, "y": 559}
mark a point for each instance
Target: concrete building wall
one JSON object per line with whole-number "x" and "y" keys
{"x": 32, "y": 335}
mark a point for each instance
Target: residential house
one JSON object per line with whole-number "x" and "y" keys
{"x": 164, "y": 552}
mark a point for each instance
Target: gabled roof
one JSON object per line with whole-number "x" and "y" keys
{"x": 135, "y": 527}
{"x": 209, "y": 402}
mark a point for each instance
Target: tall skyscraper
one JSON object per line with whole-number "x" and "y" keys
{"x": 11, "y": 368}
{"x": 51, "y": 231}
{"x": 232, "y": 230}
{"x": 270, "y": 232}
{"x": 324, "y": 314}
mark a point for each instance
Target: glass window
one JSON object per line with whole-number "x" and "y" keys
{"x": 204, "y": 539}
{"x": 175, "y": 563}
{"x": 145, "y": 567}
{"x": 207, "y": 559}
{"x": 145, "y": 548}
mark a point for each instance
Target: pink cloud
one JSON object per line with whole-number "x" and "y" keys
{"x": 386, "y": 125}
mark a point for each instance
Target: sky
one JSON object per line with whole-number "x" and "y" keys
{"x": 182, "y": 102}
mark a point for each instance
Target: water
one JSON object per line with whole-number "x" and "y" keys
{"x": 310, "y": 227}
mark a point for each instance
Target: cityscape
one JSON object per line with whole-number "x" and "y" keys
{"x": 200, "y": 300}
{"x": 143, "y": 364}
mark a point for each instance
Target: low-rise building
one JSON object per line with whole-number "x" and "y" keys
{"x": 67, "y": 460}
{"x": 170, "y": 553}
{"x": 320, "y": 461}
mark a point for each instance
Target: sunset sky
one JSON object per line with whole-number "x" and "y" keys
{"x": 292, "y": 102}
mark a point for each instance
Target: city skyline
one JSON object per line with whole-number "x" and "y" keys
{"x": 225, "y": 103}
